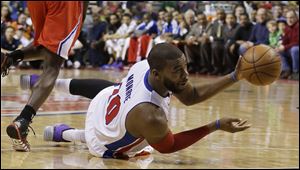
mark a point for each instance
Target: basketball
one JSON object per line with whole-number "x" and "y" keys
{"x": 260, "y": 65}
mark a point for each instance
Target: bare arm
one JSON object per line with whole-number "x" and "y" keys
{"x": 148, "y": 121}
{"x": 194, "y": 94}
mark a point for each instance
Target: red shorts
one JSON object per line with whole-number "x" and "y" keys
{"x": 57, "y": 24}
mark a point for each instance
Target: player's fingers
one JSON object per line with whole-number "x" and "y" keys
{"x": 241, "y": 128}
{"x": 241, "y": 123}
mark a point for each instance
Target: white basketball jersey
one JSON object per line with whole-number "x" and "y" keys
{"x": 105, "y": 124}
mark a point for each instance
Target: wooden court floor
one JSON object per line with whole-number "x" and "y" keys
{"x": 271, "y": 142}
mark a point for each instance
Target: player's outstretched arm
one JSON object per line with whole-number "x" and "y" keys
{"x": 194, "y": 94}
{"x": 149, "y": 121}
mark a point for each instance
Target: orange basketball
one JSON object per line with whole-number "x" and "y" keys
{"x": 261, "y": 65}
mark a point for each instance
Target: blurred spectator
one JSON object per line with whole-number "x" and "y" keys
{"x": 149, "y": 9}
{"x": 5, "y": 18}
{"x": 238, "y": 10}
{"x": 242, "y": 34}
{"x": 217, "y": 39}
{"x": 114, "y": 43}
{"x": 260, "y": 33}
{"x": 140, "y": 42}
{"x": 274, "y": 34}
{"x": 8, "y": 42}
{"x": 189, "y": 17}
{"x": 114, "y": 23}
{"x": 170, "y": 29}
{"x": 230, "y": 31}
{"x": 281, "y": 24}
{"x": 290, "y": 47}
{"x": 277, "y": 11}
{"x": 21, "y": 24}
{"x": 97, "y": 55}
{"x": 17, "y": 7}
{"x": 160, "y": 21}
{"x": 198, "y": 47}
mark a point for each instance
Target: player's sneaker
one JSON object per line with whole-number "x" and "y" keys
{"x": 18, "y": 131}
{"x": 28, "y": 81}
{"x": 6, "y": 62}
{"x": 54, "y": 133}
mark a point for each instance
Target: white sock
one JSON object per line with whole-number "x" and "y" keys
{"x": 63, "y": 85}
{"x": 74, "y": 135}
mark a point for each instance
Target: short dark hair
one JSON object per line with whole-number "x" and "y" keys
{"x": 162, "y": 52}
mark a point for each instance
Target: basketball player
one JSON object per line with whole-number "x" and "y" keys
{"x": 124, "y": 119}
{"x": 57, "y": 25}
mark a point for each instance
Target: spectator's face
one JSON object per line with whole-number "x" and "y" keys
{"x": 113, "y": 19}
{"x": 291, "y": 18}
{"x": 146, "y": 18}
{"x": 190, "y": 18}
{"x": 261, "y": 15}
{"x": 175, "y": 14}
{"x": 161, "y": 15}
{"x": 126, "y": 20}
{"x": 281, "y": 26}
{"x": 201, "y": 19}
{"x": 221, "y": 14}
{"x": 239, "y": 10}
{"x": 244, "y": 20}
{"x": 277, "y": 11}
{"x": 9, "y": 33}
{"x": 230, "y": 20}
{"x": 22, "y": 19}
{"x": 4, "y": 11}
{"x": 272, "y": 28}
{"x": 168, "y": 17}
{"x": 149, "y": 7}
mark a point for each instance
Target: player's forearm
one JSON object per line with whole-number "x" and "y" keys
{"x": 206, "y": 91}
{"x": 172, "y": 143}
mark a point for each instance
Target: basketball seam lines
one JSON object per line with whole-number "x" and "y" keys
{"x": 253, "y": 56}
{"x": 255, "y": 67}
{"x": 260, "y": 66}
{"x": 267, "y": 74}
{"x": 263, "y": 55}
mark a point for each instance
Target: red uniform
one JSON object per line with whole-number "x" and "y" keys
{"x": 57, "y": 24}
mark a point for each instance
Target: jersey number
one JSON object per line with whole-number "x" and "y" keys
{"x": 113, "y": 107}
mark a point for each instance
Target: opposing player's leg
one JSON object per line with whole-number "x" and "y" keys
{"x": 84, "y": 87}
{"x": 18, "y": 129}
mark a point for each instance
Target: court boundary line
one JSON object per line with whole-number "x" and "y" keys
{"x": 54, "y": 113}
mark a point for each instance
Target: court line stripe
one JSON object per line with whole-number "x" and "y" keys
{"x": 257, "y": 148}
{"x": 49, "y": 113}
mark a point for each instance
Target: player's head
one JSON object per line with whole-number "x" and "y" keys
{"x": 168, "y": 66}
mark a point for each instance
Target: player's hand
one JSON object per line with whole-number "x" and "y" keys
{"x": 237, "y": 71}
{"x": 233, "y": 125}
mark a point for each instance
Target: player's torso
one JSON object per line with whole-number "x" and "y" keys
{"x": 116, "y": 102}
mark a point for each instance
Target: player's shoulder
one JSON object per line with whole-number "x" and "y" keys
{"x": 147, "y": 116}
{"x": 148, "y": 112}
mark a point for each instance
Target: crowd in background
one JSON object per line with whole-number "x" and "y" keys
{"x": 212, "y": 34}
